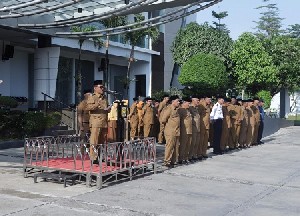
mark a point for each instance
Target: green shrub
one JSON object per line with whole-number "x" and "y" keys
{"x": 8, "y": 102}
{"x": 266, "y": 96}
{"x": 204, "y": 73}
{"x": 53, "y": 119}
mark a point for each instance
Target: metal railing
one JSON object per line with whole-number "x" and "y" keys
{"x": 69, "y": 154}
{"x": 58, "y": 106}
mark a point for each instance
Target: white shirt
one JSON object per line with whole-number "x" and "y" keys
{"x": 216, "y": 112}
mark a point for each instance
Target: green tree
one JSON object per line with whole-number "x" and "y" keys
{"x": 266, "y": 96}
{"x": 97, "y": 43}
{"x": 294, "y": 31}
{"x": 285, "y": 52}
{"x": 219, "y": 16}
{"x": 253, "y": 66}
{"x": 205, "y": 74}
{"x": 269, "y": 24}
{"x": 195, "y": 38}
{"x": 135, "y": 38}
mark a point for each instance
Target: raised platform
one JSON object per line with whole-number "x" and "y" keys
{"x": 66, "y": 154}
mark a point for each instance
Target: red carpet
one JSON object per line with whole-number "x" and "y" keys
{"x": 83, "y": 166}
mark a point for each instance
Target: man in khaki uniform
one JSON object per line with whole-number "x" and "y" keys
{"x": 162, "y": 105}
{"x": 204, "y": 111}
{"x": 148, "y": 117}
{"x": 193, "y": 154}
{"x": 185, "y": 131}
{"x": 257, "y": 119}
{"x": 140, "y": 110}
{"x": 83, "y": 116}
{"x": 112, "y": 123}
{"x": 244, "y": 124}
{"x": 226, "y": 126}
{"x": 250, "y": 131}
{"x": 97, "y": 104}
{"x": 171, "y": 120}
{"x": 133, "y": 119}
{"x": 235, "y": 112}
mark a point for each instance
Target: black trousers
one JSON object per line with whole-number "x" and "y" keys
{"x": 217, "y": 125}
{"x": 260, "y": 131}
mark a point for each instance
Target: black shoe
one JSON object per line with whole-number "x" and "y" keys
{"x": 187, "y": 162}
{"x": 205, "y": 157}
{"x": 96, "y": 161}
{"x": 180, "y": 162}
{"x": 169, "y": 165}
{"x": 200, "y": 158}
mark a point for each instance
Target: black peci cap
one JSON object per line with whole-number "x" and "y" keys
{"x": 85, "y": 91}
{"x": 98, "y": 82}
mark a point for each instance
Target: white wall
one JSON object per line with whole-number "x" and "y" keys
{"x": 14, "y": 73}
{"x": 19, "y": 74}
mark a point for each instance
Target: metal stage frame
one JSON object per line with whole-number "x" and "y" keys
{"x": 67, "y": 157}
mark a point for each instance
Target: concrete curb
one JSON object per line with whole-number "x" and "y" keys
{"x": 11, "y": 144}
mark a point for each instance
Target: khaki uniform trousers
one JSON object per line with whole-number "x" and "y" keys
{"x": 224, "y": 138}
{"x": 195, "y": 145}
{"x": 148, "y": 128}
{"x": 133, "y": 129}
{"x": 204, "y": 134}
{"x": 171, "y": 149}
{"x": 255, "y": 134}
{"x": 161, "y": 133}
{"x": 98, "y": 136}
{"x": 243, "y": 135}
{"x": 234, "y": 135}
{"x": 185, "y": 146}
{"x": 250, "y": 133}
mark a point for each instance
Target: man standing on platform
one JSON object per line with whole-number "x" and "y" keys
{"x": 97, "y": 104}
{"x": 162, "y": 105}
{"x": 216, "y": 116}
{"x": 83, "y": 116}
{"x": 134, "y": 119}
{"x": 171, "y": 120}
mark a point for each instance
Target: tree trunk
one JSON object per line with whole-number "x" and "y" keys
{"x": 130, "y": 60}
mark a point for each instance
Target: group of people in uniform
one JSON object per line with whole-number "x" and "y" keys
{"x": 188, "y": 126}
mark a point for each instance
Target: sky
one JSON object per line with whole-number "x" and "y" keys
{"x": 242, "y": 13}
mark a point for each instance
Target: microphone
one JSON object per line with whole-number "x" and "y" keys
{"x": 110, "y": 91}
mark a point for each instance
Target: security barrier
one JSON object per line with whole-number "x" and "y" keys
{"x": 69, "y": 154}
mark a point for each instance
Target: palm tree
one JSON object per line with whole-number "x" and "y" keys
{"x": 78, "y": 77}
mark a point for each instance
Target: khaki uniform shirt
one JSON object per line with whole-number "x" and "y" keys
{"x": 171, "y": 120}
{"x": 148, "y": 114}
{"x": 204, "y": 112}
{"x": 246, "y": 116}
{"x": 82, "y": 112}
{"x": 196, "y": 118}
{"x": 226, "y": 119}
{"x": 97, "y": 104}
{"x": 235, "y": 112}
{"x": 134, "y": 117}
{"x": 186, "y": 119}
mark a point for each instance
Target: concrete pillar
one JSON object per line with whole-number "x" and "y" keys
{"x": 45, "y": 71}
{"x": 284, "y": 103}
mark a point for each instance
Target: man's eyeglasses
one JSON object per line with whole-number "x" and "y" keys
{"x": 102, "y": 87}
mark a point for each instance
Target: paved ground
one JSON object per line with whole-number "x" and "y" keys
{"x": 263, "y": 180}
